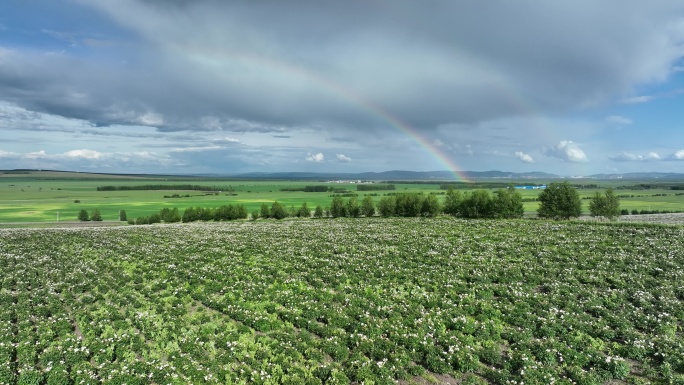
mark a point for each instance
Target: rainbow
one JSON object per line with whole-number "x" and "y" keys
{"x": 392, "y": 120}
{"x": 345, "y": 93}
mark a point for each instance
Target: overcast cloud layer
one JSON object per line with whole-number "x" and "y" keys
{"x": 225, "y": 87}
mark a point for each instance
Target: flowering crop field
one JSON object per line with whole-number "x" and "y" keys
{"x": 376, "y": 301}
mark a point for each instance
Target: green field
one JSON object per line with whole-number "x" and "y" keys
{"x": 37, "y": 198}
{"x": 365, "y": 301}
{"x": 49, "y": 196}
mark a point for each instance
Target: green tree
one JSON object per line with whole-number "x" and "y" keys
{"x": 122, "y": 215}
{"x": 337, "y": 207}
{"x": 386, "y": 206}
{"x": 83, "y": 216}
{"x": 408, "y": 204}
{"x": 278, "y": 211}
{"x": 508, "y": 203}
{"x": 605, "y": 205}
{"x": 452, "y": 202}
{"x": 241, "y": 212}
{"x": 318, "y": 213}
{"x": 430, "y": 206}
{"x": 172, "y": 216}
{"x": 352, "y": 208}
{"x": 96, "y": 216}
{"x": 255, "y": 215}
{"x": 265, "y": 211}
{"x": 367, "y": 206}
{"x": 304, "y": 211}
{"x": 477, "y": 204}
{"x": 559, "y": 201}
{"x": 154, "y": 218}
{"x": 189, "y": 215}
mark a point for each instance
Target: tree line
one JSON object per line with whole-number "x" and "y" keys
{"x": 557, "y": 201}
{"x": 505, "y": 203}
{"x": 375, "y": 187}
{"x": 316, "y": 188}
{"x": 192, "y": 187}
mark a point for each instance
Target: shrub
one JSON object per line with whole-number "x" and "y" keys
{"x": 265, "y": 211}
{"x": 386, "y": 207}
{"x": 430, "y": 206}
{"x": 367, "y": 207}
{"x": 605, "y": 205}
{"x": 337, "y": 208}
{"x": 452, "y": 202}
{"x": 408, "y": 204}
{"x": 278, "y": 211}
{"x": 352, "y": 208}
{"x": 508, "y": 203}
{"x": 95, "y": 216}
{"x": 559, "y": 201}
{"x": 154, "y": 218}
{"x": 83, "y": 216}
{"x": 477, "y": 204}
{"x": 303, "y": 211}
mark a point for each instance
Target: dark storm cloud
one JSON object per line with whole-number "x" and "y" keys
{"x": 267, "y": 66}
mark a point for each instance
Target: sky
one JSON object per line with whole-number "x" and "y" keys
{"x": 211, "y": 86}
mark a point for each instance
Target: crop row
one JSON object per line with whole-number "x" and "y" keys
{"x": 340, "y": 301}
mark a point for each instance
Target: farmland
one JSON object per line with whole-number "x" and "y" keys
{"x": 371, "y": 300}
{"x": 45, "y": 197}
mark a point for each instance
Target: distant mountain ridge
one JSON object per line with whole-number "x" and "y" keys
{"x": 400, "y": 175}
{"x": 640, "y": 175}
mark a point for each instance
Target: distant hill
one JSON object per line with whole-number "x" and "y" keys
{"x": 640, "y": 176}
{"x": 399, "y": 175}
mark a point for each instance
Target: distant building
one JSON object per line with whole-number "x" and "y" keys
{"x": 531, "y": 187}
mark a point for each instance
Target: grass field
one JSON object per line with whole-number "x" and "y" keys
{"x": 49, "y": 196}
{"x": 365, "y": 301}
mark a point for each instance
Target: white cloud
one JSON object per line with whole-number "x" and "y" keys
{"x": 7, "y": 154}
{"x": 343, "y": 158}
{"x": 36, "y": 155}
{"x": 629, "y": 157}
{"x": 87, "y": 154}
{"x": 679, "y": 155}
{"x": 83, "y": 159}
{"x": 567, "y": 151}
{"x": 621, "y": 120}
{"x": 315, "y": 158}
{"x": 523, "y": 157}
{"x": 226, "y": 140}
